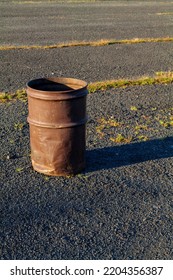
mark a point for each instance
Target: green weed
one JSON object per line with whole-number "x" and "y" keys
{"x": 19, "y": 126}
{"x": 120, "y": 138}
{"x": 19, "y": 169}
{"x": 20, "y": 94}
{"x": 142, "y": 130}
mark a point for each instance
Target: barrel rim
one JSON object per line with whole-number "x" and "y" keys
{"x": 79, "y": 91}
{"x": 61, "y": 80}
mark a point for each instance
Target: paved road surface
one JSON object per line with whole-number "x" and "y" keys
{"x": 47, "y": 23}
{"x": 121, "y": 206}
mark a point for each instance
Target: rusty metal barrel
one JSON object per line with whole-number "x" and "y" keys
{"x": 57, "y": 120}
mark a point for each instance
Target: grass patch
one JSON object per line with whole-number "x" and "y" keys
{"x": 99, "y": 43}
{"x": 20, "y": 94}
{"x": 158, "y": 78}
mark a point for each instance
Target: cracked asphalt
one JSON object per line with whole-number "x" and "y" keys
{"x": 121, "y": 206}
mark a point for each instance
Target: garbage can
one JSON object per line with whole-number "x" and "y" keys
{"x": 57, "y": 120}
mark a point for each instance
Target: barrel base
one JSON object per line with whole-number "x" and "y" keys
{"x": 70, "y": 171}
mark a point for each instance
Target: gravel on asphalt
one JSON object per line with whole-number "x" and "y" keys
{"x": 88, "y": 63}
{"x": 51, "y": 23}
{"x": 119, "y": 208}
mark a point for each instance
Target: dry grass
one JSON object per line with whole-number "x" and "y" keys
{"x": 51, "y": 1}
{"x": 33, "y": 2}
{"x": 99, "y": 43}
{"x": 165, "y": 14}
{"x": 158, "y": 78}
{"x": 20, "y": 94}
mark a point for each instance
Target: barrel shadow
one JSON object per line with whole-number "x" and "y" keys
{"x": 117, "y": 156}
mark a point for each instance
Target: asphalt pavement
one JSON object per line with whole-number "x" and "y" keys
{"x": 46, "y": 22}
{"x": 120, "y": 207}
{"x": 88, "y": 63}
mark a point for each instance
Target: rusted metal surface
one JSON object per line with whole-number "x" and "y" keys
{"x": 57, "y": 119}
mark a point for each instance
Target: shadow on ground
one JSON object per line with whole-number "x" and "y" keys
{"x": 117, "y": 156}
{"x": 77, "y": 218}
